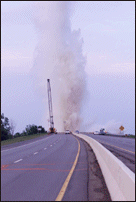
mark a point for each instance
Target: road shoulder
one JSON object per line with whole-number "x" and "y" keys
{"x": 97, "y": 189}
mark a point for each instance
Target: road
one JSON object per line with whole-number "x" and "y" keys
{"x": 36, "y": 171}
{"x": 123, "y": 148}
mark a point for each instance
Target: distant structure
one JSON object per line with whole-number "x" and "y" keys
{"x": 51, "y": 129}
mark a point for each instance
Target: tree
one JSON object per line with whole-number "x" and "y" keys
{"x": 8, "y": 128}
{"x": 6, "y": 125}
{"x": 41, "y": 129}
{"x": 17, "y": 135}
{"x": 31, "y": 129}
{"x": 5, "y": 128}
{"x": 12, "y": 126}
{"x": 4, "y": 134}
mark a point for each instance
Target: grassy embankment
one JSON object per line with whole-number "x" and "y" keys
{"x": 23, "y": 138}
{"x": 132, "y": 136}
{"x": 129, "y": 136}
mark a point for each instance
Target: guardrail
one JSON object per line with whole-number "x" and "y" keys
{"x": 120, "y": 180}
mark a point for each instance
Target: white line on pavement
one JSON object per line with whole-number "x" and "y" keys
{"x": 50, "y": 145}
{"x": 18, "y": 160}
{"x": 35, "y": 153}
{"x": 45, "y": 148}
{"x": 27, "y": 144}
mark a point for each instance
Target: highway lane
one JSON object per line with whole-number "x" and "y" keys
{"x": 21, "y": 143}
{"x": 122, "y": 142}
{"x": 123, "y": 148}
{"x": 37, "y": 171}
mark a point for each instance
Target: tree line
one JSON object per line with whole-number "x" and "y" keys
{"x": 7, "y": 129}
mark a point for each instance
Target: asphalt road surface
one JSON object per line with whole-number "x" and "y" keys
{"x": 122, "y": 147}
{"x": 36, "y": 171}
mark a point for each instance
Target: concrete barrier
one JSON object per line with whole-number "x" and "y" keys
{"x": 120, "y": 180}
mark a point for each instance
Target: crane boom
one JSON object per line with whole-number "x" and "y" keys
{"x": 50, "y": 106}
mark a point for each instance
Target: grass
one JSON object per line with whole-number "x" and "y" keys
{"x": 19, "y": 139}
{"x": 131, "y": 136}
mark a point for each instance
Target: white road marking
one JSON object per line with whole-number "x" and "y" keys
{"x": 26, "y": 144}
{"x": 50, "y": 145}
{"x": 35, "y": 153}
{"x": 45, "y": 148}
{"x": 18, "y": 160}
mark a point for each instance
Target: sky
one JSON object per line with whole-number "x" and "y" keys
{"x": 107, "y": 29}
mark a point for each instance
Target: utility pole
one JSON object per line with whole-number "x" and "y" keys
{"x": 50, "y": 106}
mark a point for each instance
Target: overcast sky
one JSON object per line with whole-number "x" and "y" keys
{"x": 108, "y": 32}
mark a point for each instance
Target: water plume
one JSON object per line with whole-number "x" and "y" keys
{"x": 58, "y": 56}
{"x": 111, "y": 126}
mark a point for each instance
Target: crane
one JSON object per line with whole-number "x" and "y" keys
{"x": 52, "y": 129}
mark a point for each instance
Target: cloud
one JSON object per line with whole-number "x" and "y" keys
{"x": 105, "y": 64}
{"x": 15, "y": 61}
{"x": 127, "y": 68}
{"x": 18, "y": 15}
{"x": 100, "y": 28}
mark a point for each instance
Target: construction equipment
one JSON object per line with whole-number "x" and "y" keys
{"x": 102, "y": 131}
{"x": 51, "y": 129}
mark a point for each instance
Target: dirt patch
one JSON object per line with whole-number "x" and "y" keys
{"x": 97, "y": 189}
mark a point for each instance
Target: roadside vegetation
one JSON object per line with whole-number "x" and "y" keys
{"x": 8, "y": 136}
{"x": 131, "y": 136}
{"x": 22, "y": 138}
